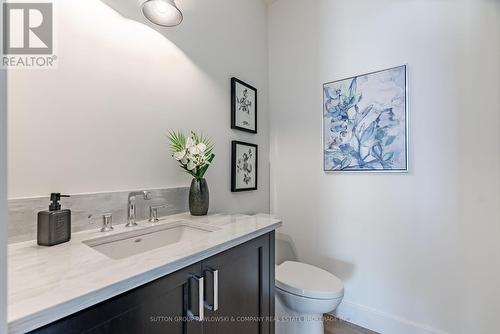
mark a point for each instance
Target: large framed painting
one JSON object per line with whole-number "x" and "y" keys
{"x": 244, "y": 166}
{"x": 243, "y": 106}
{"x": 365, "y": 122}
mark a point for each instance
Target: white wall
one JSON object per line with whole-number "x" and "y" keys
{"x": 3, "y": 200}
{"x": 3, "y": 194}
{"x": 419, "y": 253}
{"x": 99, "y": 121}
{"x": 498, "y": 78}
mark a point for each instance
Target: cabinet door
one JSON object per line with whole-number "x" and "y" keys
{"x": 158, "y": 307}
{"x": 245, "y": 289}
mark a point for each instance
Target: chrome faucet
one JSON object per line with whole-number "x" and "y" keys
{"x": 131, "y": 206}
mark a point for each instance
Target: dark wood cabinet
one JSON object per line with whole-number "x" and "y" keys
{"x": 244, "y": 291}
{"x": 158, "y": 307}
{"x": 237, "y": 297}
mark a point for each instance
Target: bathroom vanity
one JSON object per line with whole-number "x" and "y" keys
{"x": 212, "y": 274}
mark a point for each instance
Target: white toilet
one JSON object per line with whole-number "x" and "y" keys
{"x": 303, "y": 294}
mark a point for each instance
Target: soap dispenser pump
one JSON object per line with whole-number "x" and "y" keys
{"x": 54, "y": 226}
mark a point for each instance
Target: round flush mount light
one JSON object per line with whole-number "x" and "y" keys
{"x": 162, "y": 12}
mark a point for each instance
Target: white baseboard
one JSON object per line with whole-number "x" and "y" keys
{"x": 381, "y": 322}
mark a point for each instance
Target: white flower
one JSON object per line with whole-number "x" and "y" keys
{"x": 191, "y": 165}
{"x": 201, "y": 147}
{"x": 189, "y": 142}
{"x": 179, "y": 155}
{"x": 194, "y": 150}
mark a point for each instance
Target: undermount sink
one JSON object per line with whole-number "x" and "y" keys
{"x": 126, "y": 244}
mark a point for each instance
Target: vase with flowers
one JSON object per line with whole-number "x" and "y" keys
{"x": 194, "y": 153}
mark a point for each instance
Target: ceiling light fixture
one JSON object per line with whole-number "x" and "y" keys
{"x": 162, "y": 12}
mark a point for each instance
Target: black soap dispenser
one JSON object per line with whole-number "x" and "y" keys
{"x": 54, "y": 226}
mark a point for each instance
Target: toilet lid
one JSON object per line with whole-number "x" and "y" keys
{"x": 308, "y": 281}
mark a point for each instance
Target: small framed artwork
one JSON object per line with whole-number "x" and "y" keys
{"x": 243, "y": 166}
{"x": 243, "y": 106}
{"x": 365, "y": 123}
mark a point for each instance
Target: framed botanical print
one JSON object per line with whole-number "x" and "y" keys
{"x": 243, "y": 106}
{"x": 365, "y": 122}
{"x": 243, "y": 166}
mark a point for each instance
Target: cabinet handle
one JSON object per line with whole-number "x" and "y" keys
{"x": 201, "y": 293}
{"x": 215, "y": 275}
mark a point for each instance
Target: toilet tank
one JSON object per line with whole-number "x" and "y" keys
{"x": 285, "y": 249}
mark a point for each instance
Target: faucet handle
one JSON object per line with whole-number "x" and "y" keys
{"x": 153, "y": 212}
{"x": 107, "y": 222}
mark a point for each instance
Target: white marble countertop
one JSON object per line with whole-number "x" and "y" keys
{"x": 46, "y": 284}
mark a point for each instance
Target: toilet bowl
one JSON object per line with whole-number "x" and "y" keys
{"x": 303, "y": 294}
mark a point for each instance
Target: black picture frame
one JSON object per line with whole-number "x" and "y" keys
{"x": 234, "y": 82}
{"x": 234, "y": 159}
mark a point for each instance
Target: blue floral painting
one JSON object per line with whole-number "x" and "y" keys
{"x": 365, "y": 122}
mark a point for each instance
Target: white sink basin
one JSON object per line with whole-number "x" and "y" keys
{"x": 126, "y": 244}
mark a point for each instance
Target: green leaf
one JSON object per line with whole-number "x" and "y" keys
{"x": 202, "y": 170}
{"x": 177, "y": 142}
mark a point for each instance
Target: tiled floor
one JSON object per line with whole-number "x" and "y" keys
{"x": 336, "y": 326}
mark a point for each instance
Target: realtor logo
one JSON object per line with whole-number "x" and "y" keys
{"x": 28, "y": 35}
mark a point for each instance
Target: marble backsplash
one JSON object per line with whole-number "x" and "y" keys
{"x": 87, "y": 210}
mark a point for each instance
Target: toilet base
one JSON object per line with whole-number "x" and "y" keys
{"x": 288, "y": 322}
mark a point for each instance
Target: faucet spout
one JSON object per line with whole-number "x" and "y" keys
{"x": 131, "y": 216}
